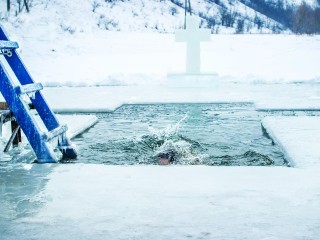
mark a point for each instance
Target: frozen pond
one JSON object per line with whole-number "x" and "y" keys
{"x": 210, "y": 134}
{"x": 217, "y": 134}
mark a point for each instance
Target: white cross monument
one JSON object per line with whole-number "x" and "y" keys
{"x": 192, "y": 35}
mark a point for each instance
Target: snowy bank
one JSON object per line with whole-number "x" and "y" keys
{"x": 121, "y": 58}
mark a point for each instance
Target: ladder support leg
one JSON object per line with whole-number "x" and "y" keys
{"x": 66, "y": 148}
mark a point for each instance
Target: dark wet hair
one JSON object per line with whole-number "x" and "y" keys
{"x": 169, "y": 154}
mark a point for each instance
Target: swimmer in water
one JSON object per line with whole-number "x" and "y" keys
{"x": 167, "y": 157}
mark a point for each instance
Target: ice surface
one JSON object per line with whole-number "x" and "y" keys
{"x": 105, "y": 99}
{"x": 154, "y": 202}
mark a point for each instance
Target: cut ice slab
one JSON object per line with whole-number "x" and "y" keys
{"x": 299, "y": 138}
{"x": 77, "y": 124}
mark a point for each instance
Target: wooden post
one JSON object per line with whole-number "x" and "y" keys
{"x": 14, "y": 124}
{"x": 17, "y": 138}
{"x": 4, "y": 106}
{"x": 8, "y": 5}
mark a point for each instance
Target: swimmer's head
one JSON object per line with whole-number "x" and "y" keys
{"x": 167, "y": 157}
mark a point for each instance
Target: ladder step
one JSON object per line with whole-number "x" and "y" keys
{"x": 29, "y": 88}
{"x": 54, "y": 133}
{"x": 8, "y": 45}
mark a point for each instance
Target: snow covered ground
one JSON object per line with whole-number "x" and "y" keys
{"x": 151, "y": 202}
{"x": 83, "y": 201}
{"x": 122, "y": 58}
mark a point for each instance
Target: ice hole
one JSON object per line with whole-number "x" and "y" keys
{"x": 228, "y": 134}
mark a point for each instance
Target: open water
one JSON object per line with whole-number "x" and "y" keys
{"x": 209, "y": 134}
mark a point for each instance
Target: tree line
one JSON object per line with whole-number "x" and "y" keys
{"x": 306, "y": 20}
{"x": 302, "y": 19}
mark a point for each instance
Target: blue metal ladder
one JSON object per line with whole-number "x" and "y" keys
{"x": 43, "y": 143}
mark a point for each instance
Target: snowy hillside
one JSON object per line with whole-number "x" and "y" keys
{"x": 89, "y": 44}
{"x": 222, "y": 16}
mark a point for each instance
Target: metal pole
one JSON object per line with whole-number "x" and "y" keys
{"x": 185, "y": 14}
{"x": 8, "y": 5}
{"x": 189, "y": 7}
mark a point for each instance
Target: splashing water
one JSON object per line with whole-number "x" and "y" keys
{"x": 169, "y": 139}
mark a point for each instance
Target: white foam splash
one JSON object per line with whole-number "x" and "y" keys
{"x": 168, "y": 131}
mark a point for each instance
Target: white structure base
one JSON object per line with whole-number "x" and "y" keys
{"x": 193, "y": 80}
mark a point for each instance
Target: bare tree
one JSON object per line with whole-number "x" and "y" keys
{"x": 240, "y": 26}
{"x": 26, "y": 4}
{"x": 306, "y": 19}
{"x": 20, "y": 5}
